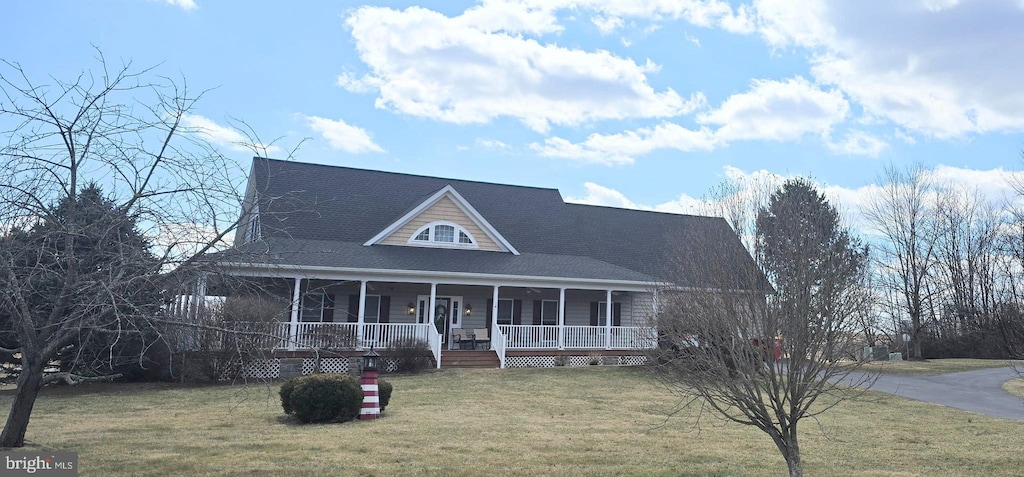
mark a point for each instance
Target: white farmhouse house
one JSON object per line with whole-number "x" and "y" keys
{"x": 493, "y": 274}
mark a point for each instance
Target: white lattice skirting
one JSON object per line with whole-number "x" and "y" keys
{"x": 271, "y": 368}
{"x": 552, "y": 361}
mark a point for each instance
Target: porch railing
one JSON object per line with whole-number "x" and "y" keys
{"x": 344, "y": 335}
{"x": 229, "y": 335}
{"x": 503, "y": 337}
{"x": 434, "y": 338}
{"x": 383, "y": 335}
{"x": 581, "y": 337}
{"x": 531, "y": 336}
{"x": 633, "y": 337}
{"x": 622, "y": 337}
{"x": 326, "y": 335}
{"x": 498, "y": 343}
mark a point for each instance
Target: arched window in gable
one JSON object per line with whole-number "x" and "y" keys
{"x": 443, "y": 234}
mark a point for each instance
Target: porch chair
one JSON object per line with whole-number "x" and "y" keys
{"x": 466, "y": 339}
{"x": 481, "y": 336}
{"x": 456, "y": 338}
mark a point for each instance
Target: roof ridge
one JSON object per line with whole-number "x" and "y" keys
{"x": 406, "y": 174}
{"x": 659, "y": 212}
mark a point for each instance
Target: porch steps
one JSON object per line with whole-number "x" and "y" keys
{"x": 469, "y": 359}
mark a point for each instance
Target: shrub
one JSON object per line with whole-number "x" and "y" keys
{"x": 287, "y": 388}
{"x": 384, "y": 389}
{"x": 410, "y": 355}
{"x": 325, "y": 398}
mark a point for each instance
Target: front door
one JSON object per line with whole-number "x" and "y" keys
{"x": 447, "y": 314}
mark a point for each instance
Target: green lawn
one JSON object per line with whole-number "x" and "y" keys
{"x": 1015, "y": 387}
{"x": 558, "y": 421}
{"x": 933, "y": 366}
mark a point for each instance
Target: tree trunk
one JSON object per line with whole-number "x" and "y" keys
{"x": 29, "y": 383}
{"x": 915, "y": 322}
{"x": 790, "y": 449}
{"x": 796, "y": 469}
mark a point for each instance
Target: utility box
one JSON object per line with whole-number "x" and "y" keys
{"x": 895, "y": 356}
{"x": 291, "y": 368}
{"x": 875, "y": 353}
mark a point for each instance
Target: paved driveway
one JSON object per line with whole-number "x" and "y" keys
{"x": 977, "y": 391}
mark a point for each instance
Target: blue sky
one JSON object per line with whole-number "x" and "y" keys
{"x": 611, "y": 102}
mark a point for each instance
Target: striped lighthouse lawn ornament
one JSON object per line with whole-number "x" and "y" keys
{"x": 368, "y": 381}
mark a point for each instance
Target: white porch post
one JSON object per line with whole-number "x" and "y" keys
{"x": 433, "y": 296}
{"x": 361, "y": 320}
{"x": 293, "y": 329}
{"x": 561, "y": 318}
{"x": 201, "y": 297}
{"x": 494, "y": 312}
{"x": 608, "y": 323}
{"x": 190, "y": 302}
{"x": 656, "y": 302}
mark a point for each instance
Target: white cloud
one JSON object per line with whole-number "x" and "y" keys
{"x": 478, "y": 66}
{"x": 224, "y": 136}
{"x": 600, "y": 195}
{"x": 343, "y": 136}
{"x": 857, "y": 143}
{"x": 943, "y": 68}
{"x": 492, "y": 144}
{"x": 540, "y": 16}
{"x": 183, "y": 4}
{"x": 691, "y": 39}
{"x": 777, "y": 111}
{"x": 365, "y": 84}
{"x": 992, "y": 184}
{"x": 607, "y": 24}
{"x": 597, "y": 194}
{"x": 903, "y": 136}
{"x": 770, "y": 110}
{"x": 622, "y": 148}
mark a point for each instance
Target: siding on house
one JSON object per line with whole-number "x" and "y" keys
{"x": 444, "y": 209}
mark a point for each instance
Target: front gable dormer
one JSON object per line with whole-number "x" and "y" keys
{"x": 443, "y": 220}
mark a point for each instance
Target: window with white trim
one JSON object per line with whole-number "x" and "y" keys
{"x": 549, "y": 312}
{"x": 602, "y": 313}
{"x": 446, "y": 234}
{"x": 372, "y": 312}
{"x": 317, "y": 307}
{"x": 505, "y": 306}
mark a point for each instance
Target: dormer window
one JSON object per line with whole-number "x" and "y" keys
{"x": 443, "y": 234}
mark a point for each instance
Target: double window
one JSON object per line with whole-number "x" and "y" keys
{"x": 443, "y": 234}
{"x": 317, "y": 307}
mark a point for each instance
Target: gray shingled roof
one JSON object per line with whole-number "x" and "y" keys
{"x": 321, "y": 215}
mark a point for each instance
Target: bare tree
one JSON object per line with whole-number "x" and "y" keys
{"x": 737, "y": 200}
{"x": 902, "y": 213}
{"x": 967, "y": 259}
{"x": 763, "y": 357}
{"x": 106, "y": 200}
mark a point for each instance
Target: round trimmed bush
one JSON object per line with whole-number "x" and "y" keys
{"x": 287, "y": 388}
{"x": 326, "y": 398}
{"x": 384, "y": 389}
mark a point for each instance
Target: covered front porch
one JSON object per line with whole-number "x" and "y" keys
{"x": 509, "y": 318}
